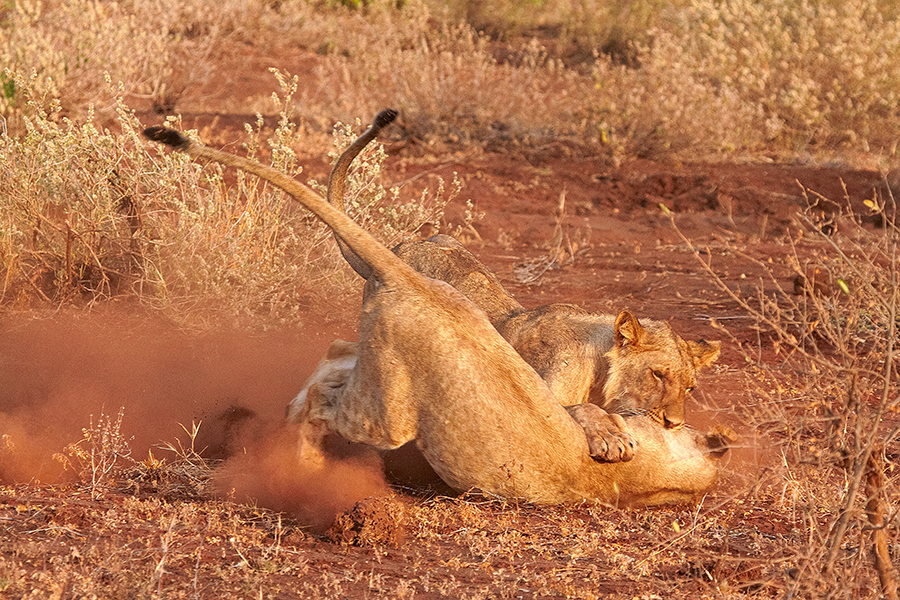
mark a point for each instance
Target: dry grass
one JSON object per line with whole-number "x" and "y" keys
{"x": 92, "y": 215}
{"x": 829, "y": 398}
{"x": 645, "y": 78}
{"x": 139, "y": 545}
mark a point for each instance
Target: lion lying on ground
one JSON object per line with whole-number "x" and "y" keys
{"x": 671, "y": 466}
{"x": 430, "y": 367}
{"x": 616, "y": 362}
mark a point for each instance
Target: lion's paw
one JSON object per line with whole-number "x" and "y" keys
{"x": 607, "y": 437}
{"x": 720, "y": 438}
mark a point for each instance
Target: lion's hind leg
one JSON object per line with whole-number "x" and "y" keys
{"x": 329, "y": 378}
{"x": 345, "y": 396}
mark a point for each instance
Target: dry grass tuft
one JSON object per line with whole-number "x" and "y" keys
{"x": 646, "y": 79}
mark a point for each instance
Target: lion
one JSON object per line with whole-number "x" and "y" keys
{"x": 672, "y": 466}
{"x": 621, "y": 364}
{"x": 429, "y": 366}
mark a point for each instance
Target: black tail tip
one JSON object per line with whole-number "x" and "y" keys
{"x": 384, "y": 118}
{"x": 167, "y": 136}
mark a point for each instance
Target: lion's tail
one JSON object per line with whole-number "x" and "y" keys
{"x": 380, "y": 261}
{"x": 338, "y": 178}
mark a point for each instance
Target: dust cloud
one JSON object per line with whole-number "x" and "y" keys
{"x": 59, "y": 374}
{"x": 269, "y": 472}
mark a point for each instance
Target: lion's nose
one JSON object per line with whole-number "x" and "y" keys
{"x": 672, "y": 423}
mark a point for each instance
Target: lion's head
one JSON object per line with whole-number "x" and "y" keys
{"x": 652, "y": 370}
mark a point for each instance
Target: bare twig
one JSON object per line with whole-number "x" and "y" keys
{"x": 875, "y": 512}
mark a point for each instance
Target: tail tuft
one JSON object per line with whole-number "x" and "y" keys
{"x": 167, "y": 136}
{"x": 384, "y": 118}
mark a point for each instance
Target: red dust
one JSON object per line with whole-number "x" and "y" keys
{"x": 269, "y": 472}
{"x": 59, "y": 374}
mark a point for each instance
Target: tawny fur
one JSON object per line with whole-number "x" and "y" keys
{"x": 430, "y": 367}
{"x": 671, "y": 466}
{"x": 614, "y": 361}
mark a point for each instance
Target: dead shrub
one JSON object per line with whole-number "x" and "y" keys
{"x": 829, "y": 399}
{"x": 91, "y": 215}
{"x": 100, "y": 455}
{"x": 666, "y": 77}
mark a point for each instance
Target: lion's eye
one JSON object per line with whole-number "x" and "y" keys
{"x": 690, "y": 389}
{"x": 659, "y": 375}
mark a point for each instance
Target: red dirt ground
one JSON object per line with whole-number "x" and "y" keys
{"x": 627, "y": 255}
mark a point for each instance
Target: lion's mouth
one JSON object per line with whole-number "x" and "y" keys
{"x": 663, "y": 419}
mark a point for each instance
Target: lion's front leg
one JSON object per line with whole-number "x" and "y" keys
{"x": 313, "y": 407}
{"x": 607, "y": 437}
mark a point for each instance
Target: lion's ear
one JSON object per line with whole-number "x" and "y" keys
{"x": 339, "y": 348}
{"x": 629, "y": 332}
{"x": 704, "y": 353}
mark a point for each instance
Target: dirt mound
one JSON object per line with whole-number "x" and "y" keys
{"x": 373, "y": 521}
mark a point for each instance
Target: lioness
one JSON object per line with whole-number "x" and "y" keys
{"x": 430, "y": 367}
{"x": 672, "y": 465}
{"x": 616, "y": 362}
